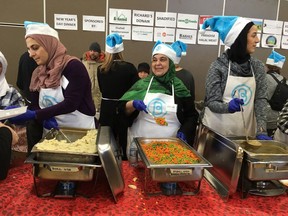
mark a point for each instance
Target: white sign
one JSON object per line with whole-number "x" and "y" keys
{"x": 271, "y": 41}
{"x": 208, "y": 38}
{"x": 141, "y": 33}
{"x": 284, "y": 42}
{"x": 123, "y": 30}
{"x": 186, "y": 36}
{"x": 202, "y": 19}
{"x": 94, "y": 23}
{"x": 166, "y": 35}
{"x": 119, "y": 16}
{"x": 272, "y": 27}
{"x": 145, "y": 18}
{"x": 165, "y": 19}
{"x": 187, "y": 21}
{"x": 258, "y": 23}
{"x": 65, "y": 21}
{"x": 285, "y": 28}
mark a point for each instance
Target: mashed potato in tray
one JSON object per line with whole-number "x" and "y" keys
{"x": 86, "y": 144}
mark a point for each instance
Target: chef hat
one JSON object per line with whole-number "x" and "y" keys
{"x": 228, "y": 27}
{"x": 39, "y": 28}
{"x": 114, "y": 43}
{"x": 165, "y": 49}
{"x": 276, "y": 59}
{"x": 180, "y": 49}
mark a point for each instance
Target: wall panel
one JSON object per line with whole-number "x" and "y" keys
{"x": 198, "y": 59}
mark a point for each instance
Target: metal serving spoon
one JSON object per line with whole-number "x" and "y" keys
{"x": 246, "y": 131}
{"x": 156, "y": 118}
{"x": 257, "y": 144}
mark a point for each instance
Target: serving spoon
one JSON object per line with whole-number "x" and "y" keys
{"x": 246, "y": 131}
{"x": 158, "y": 120}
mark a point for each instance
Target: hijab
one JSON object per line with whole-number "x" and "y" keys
{"x": 238, "y": 51}
{"x": 161, "y": 84}
{"x": 4, "y": 86}
{"x": 49, "y": 75}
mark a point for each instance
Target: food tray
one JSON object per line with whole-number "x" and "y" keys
{"x": 173, "y": 172}
{"x": 60, "y": 156}
{"x": 267, "y": 148}
{"x": 234, "y": 163}
{"x": 62, "y": 170}
{"x": 266, "y": 162}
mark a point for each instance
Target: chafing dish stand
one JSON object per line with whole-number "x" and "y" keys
{"x": 249, "y": 169}
{"x": 185, "y": 179}
{"x": 67, "y": 167}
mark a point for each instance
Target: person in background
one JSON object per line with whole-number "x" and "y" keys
{"x": 92, "y": 59}
{"x": 274, "y": 64}
{"x": 60, "y": 86}
{"x": 115, "y": 77}
{"x": 281, "y": 133}
{"x": 163, "y": 95}
{"x": 143, "y": 70}
{"x": 236, "y": 82}
{"x": 184, "y": 75}
{"x": 9, "y": 96}
{"x": 26, "y": 67}
{"x": 8, "y": 137}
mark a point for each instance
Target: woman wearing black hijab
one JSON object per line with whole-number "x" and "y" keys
{"x": 236, "y": 80}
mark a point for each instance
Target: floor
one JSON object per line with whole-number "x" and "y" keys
{"x": 18, "y": 198}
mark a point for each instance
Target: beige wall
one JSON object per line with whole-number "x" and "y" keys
{"x": 198, "y": 59}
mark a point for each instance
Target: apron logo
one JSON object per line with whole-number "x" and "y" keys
{"x": 244, "y": 92}
{"x": 48, "y": 101}
{"x": 157, "y": 107}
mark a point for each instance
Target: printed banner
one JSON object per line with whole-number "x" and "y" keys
{"x": 94, "y": 23}
{"x": 145, "y": 18}
{"x": 141, "y": 33}
{"x": 65, "y": 21}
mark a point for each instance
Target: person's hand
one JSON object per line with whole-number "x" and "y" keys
{"x": 20, "y": 119}
{"x": 263, "y": 137}
{"x": 50, "y": 123}
{"x": 234, "y": 105}
{"x": 181, "y": 136}
{"x": 139, "y": 105}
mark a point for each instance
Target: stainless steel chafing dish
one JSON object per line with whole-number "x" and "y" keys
{"x": 268, "y": 161}
{"x": 173, "y": 172}
{"x": 80, "y": 166}
{"x": 241, "y": 166}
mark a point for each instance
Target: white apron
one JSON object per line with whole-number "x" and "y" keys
{"x": 231, "y": 124}
{"x": 49, "y": 97}
{"x": 160, "y": 105}
{"x": 280, "y": 136}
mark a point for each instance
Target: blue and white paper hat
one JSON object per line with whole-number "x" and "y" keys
{"x": 114, "y": 43}
{"x": 180, "y": 49}
{"x": 165, "y": 49}
{"x": 39, "y": 28}
{"x": 228, "y": 27}
{"x": 276, "y": 59}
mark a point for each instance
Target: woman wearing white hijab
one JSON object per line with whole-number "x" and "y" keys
{"x": 9, "y": 96}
